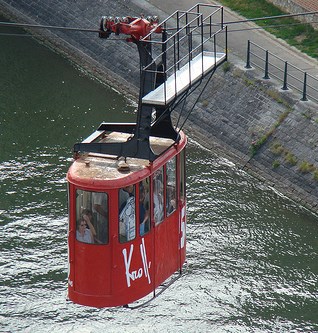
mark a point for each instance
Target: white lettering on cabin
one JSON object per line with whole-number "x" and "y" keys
{"x": 144, "y": 270}
{"x": 70, "y": 282}
{"x": 183, "y": 227}
{"x": 144, "y": 259}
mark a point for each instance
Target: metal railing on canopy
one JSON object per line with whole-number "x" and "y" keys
{"x": 192, "y": 45}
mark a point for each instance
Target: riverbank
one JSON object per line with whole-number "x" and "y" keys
{"x": 237, "y": 110}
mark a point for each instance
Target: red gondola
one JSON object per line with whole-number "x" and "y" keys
{"x": 127, "y": 202}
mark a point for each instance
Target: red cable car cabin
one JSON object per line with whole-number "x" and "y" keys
{"x": 127, "y": 206}
{"x": 133, "y": 221}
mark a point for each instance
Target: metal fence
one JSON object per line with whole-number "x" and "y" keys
{"x": 291, "y": 76}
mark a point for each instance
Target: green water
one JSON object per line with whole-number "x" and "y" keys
{"x": 252, "y": 254}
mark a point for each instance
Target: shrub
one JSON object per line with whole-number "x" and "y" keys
{"x": 277, "y": 148}
{"x": 227, "y": 67}
{"x": 306, "y": 167}
{"x": 291, "y": 159}
{"x": 275, "y": 164}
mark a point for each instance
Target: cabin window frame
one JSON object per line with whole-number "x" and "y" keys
{"x": 182, "y": 175}
{"x": 96, "y": 223}
{"x": 170, "y": 198}
{"x": 158, "y": 189}
{"x": 144, "y": 195}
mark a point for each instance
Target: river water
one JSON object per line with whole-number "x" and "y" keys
{"x": 252, "y": 262}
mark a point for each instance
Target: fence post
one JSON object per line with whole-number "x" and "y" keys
{"x": 266, "y": 76}
{"x": 248, "y": 56}
{"x": 285, "y": 78}
{"x": 304, "y": 98}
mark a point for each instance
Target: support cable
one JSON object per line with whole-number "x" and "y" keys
{"x": 190, "y": 111}
{"x": 27, "y": 25}
{"x": 40, "y": 26}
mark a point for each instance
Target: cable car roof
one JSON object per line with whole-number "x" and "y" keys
{"x": 95, "y": 170}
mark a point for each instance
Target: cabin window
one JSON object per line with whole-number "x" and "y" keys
{"x": 171, "y": 186}
{"x": 144, "y": 207}
{"x": 182, "y": 188}
{"x": 91, "y": 217}
{"x": 127, "y": 213}
{"x": 158, "y": 199}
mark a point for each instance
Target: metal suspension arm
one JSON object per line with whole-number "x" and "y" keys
{"x": 136, "y": 27}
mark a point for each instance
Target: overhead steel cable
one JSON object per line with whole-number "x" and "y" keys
{"x": 27, "y": 25}
{"x": 232, "y": 30}
{"x": 53, "y": 37}
{"x": 40, "y": 26}
{"x": 269, "y": 26}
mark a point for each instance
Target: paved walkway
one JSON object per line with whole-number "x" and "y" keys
{"x": 240, "y": 33}
{"x": 237, "y": 40}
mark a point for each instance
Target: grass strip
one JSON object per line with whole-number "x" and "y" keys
{"x": 301, "y": 35}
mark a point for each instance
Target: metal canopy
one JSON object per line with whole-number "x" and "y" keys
{"x": 183, "y": 78}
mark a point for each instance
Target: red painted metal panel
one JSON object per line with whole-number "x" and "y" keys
{"x": 166, "y": 248}
{"x": 133, "y": 269}
{"x": 92, "y": 272}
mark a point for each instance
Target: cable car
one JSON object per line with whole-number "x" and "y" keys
{"x": 126, "y": 185}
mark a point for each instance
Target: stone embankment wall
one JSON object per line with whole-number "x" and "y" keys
{"x": 300, "y": 6}
{"x": 260, "y": 128}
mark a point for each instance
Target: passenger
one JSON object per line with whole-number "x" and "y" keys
{"x": 143, "y": 211}
{"x": 88, "y": 217}
{"x": 158, "y": 200}
{"x": 127, "y": 215}
{"x": 171, "y": 202}
{"x": 83, "y": 234}
{"x": 99, "y": 204}
{"x": 124, "y": 194}
{"x": 100, "y": 213}
{"x": 171, "y": 207}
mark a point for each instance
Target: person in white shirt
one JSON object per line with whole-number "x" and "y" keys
{"x": 83, "y": 234}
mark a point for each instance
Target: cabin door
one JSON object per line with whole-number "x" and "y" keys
{"x": 92, "y": 251}
{"x": 133, "y": 255}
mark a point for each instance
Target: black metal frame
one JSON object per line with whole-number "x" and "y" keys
{"x": 153, "y": 72}
{"x": 138, "y": 145}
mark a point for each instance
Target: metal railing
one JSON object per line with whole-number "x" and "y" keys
{"x": 187, "y": 34}
{"x": 285, "y": 72}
